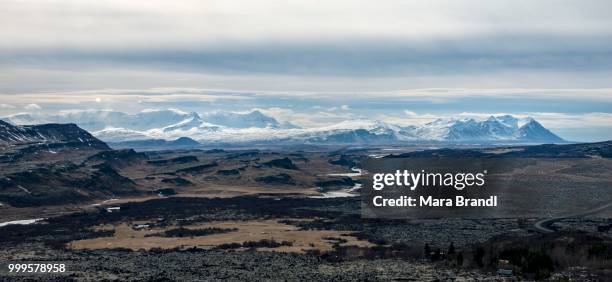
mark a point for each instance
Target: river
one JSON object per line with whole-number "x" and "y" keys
{"x": 348, "y": 192}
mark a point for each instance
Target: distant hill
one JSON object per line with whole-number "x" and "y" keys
{"x": 69, "y": 134}
{"x": 580, "y": 150}
{"x": 55, "y": 164}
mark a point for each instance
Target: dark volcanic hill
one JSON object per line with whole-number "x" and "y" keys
{"x": 579, "y": 150}
{"x": 56, "y": 164}
{"x": 69, "y": 134}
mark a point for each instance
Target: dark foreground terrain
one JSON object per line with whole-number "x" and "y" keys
{"x": 353, "y": 249}
{"x": 201, "y": 214}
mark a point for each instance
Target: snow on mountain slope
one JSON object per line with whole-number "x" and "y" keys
{"x": 229, "y": 127}
{"x": 245, "y": 120}
{"x": 507, "y": 120}
{"x": 355, "y": 131}
{"x": 97, "y": 120}
{"x": 494, "y": 128}
{"x": 117, "y": 134}
{"x": 47, "y": 134}
{"x": 94, "y": 120}
{"x": 25, "y": 119}
{"x": 533, "y": 131}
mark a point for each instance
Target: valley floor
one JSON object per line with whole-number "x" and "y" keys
{"x": 262, "y": 215}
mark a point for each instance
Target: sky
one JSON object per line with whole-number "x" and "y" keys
{"x": 315, "y": 62}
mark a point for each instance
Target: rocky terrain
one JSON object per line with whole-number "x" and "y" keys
{"x": 416, "y": 249}
{"x": 263, "y": 214}
{"x": 55, "y": 165}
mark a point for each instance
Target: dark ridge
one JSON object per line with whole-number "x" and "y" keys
{"x": 335, "y": 183}
{"x": 48, "y": 133}
{"x": 197, "y": 169}
{"x": 178, "y": 181}
{"x": 580, "y": 150}
{"x": 264, "y": 243}
{"x": 108, "y": 175}
{"x": 58, "y": 185}
{"x": 252, "y": 153}
{"x": 227, "y": 172}
{"x": 214, "y": 151}
{"x": 345, "y": 161}
{"x": 118, "y": 158}
{"x": 184, "y": 141}
{"x": 285, "y": 163}
{"x": 185, "y": 232}
{"x": 177, "y": 160}
{"x": 281, "y": 178}
{"x": 456, "y": 153}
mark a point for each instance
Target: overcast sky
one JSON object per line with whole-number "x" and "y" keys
{"x": 315, "y": 62}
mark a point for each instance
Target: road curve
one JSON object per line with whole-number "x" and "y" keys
{"x": 544, "y": 224}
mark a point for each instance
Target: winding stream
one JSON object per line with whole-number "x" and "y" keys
{"x": 348, "y": 192}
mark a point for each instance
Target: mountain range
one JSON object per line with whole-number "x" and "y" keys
{"x": 256, "y": 127}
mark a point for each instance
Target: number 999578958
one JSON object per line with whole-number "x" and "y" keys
{"x": 36, "y": 267}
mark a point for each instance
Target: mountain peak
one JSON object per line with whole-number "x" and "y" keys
{"x": 257, "y": 126}
{"x": 251, "y": 119}
{"x": 503, "y": 128}
{"x": 534, "y": 131}
{"x": 256, "y": 113}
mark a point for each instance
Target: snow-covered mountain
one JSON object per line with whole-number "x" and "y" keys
{"x": 96, "y": 120}
{"x": 498, "y": 129}
{"x": 494, "y": 128}
{"x": 245, "y": 120}
{"x": 229, "y": 127}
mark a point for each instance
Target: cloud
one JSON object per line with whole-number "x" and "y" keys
{"x": 142, "y": 24}
{"x": 32, "y": 107}
{"x": 577, "y": 121}
{"x": 429, "y": 95}
{"x": 306, "y": 117}
{"x": 6, "y": 106}
{"x": 299, "y": 46}
{"x": 409, "y": 118}
{"x": 410, "y": 113}
{"x": 409, "y": 61}
{"x": 119, "y": 96}
{"x": 280, "y": 114}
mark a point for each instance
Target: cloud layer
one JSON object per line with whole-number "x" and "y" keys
{"x": 314, "y": 62}
{"x": 213, "y": 23}
{"x": 391, "y": 45}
